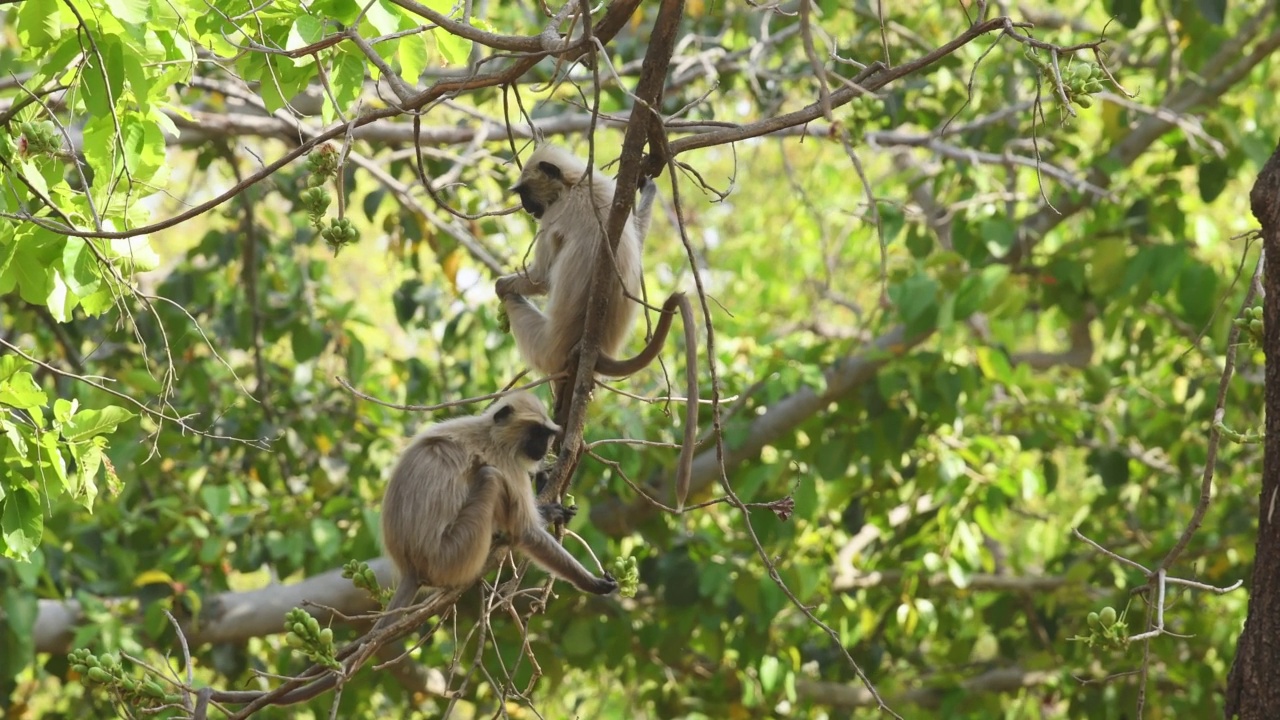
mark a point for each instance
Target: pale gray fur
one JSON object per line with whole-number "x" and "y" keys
{"x": 463, "y": 481}
{"x": 572, "y": 212}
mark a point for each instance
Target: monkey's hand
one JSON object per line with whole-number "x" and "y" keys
{"x": 557, "y": 513}
{"x": 603, "y": 585}
{"x": 506, "y": 285}
{"x": 518, "y": 283}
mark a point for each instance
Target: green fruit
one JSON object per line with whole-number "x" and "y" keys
{"x": 1107, "y": 616}
{"x": 1093, "y": 621}
{"x": 99, "y": 675}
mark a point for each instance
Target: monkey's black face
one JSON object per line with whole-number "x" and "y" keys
{"x": 528, "y": 202}
{"x": 537, "y": 441}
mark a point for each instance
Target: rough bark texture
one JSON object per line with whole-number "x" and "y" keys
{"x": 1253, "y": 687}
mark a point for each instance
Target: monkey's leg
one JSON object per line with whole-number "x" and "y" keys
{"x": 616, "y": 368}
{"x": 546, "y": 553}
{"x": 464, "y": 544}
{"x": 535, "y": 337}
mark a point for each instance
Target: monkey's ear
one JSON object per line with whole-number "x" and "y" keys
{"x": 552, "y": 170}
{"x": 503, "y": 413}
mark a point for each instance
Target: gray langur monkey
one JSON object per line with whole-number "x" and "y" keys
{"x": 571, "y": 206}
{"x": 461, "y": 487}
{"x": 464, "y": 481}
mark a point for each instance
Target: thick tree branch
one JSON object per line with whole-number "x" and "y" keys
{"x": 230, "y": 617}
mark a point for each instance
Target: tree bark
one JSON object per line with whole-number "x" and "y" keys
{"x": 1253, "y": 687}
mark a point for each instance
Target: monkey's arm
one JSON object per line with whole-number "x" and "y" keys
{"x": 533, "y": 279}
{"x": 644, "y": 209}
{"x": 546, "y": 553}
{"x": 542, "y": 347}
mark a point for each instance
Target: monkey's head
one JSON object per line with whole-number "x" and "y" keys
{"x": 521, "y": 426}
{"x": 549, "y": 171}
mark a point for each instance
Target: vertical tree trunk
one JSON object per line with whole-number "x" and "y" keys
{"x": 1253, "y": 687}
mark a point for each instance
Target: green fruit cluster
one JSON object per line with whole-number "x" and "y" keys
{"x": 108, "y": 671}
{"x": 316, "y": 202}
{"x": 1251, "y": 322}
{"x": 323, "y": 164}
{"x": 360, "y": 575}
{"x": 303, "y": 632}
{"x": 340, "y": 232}
{"x": 1082, "y": 80}
{"x": 624, "y": 570}
{"x": 1079, "y": 81}
{"x": 1106, "y": 628}
{"x": 38, "y": 137}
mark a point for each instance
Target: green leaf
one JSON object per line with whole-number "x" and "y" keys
{"x": 994, "y": 364}
{"x": 10, "y": 365}
{"x": 38, "y": 25}
{"x": 892, "y": 220}
{"x": 35, "y": 281}
{"x": 306, "y": 30}
{"x": 60, "y": 301}
{"x": 51, "y": 459}
{"x": 1000, "y": 235}
{"x": 102, "y": 79}
{"x": 770, "y": 673}
{"x": 326, "y": 538}
{"x": 20, "y": 391}
{"x": 58, "y": 62}
{"x": 917, "y": 301}
{"x": 413, "y": 55}
{"x": 21, "y": 523}
{"x": 1215, "y": 11}
{"x": 81, "y": 485}
{"x": 136, "y": 252}
{"x": 79, "y": 268}
{"x": 1197, "y": 283}
{"x": 1128, "y": 12}
{"x": 307, "y": 341}
{"x": 1213, "y": 179}
{"x": 97, "y": 302}
{"x": 383, "y": 18}
{"x": 89, "y": 423}
{"x": 20, "y": 610}
{"x": 347, "y": 78}
{"x": 452, "y": 48}
{"x": 976, "y": 289}
{"x": 133, "y": 12}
